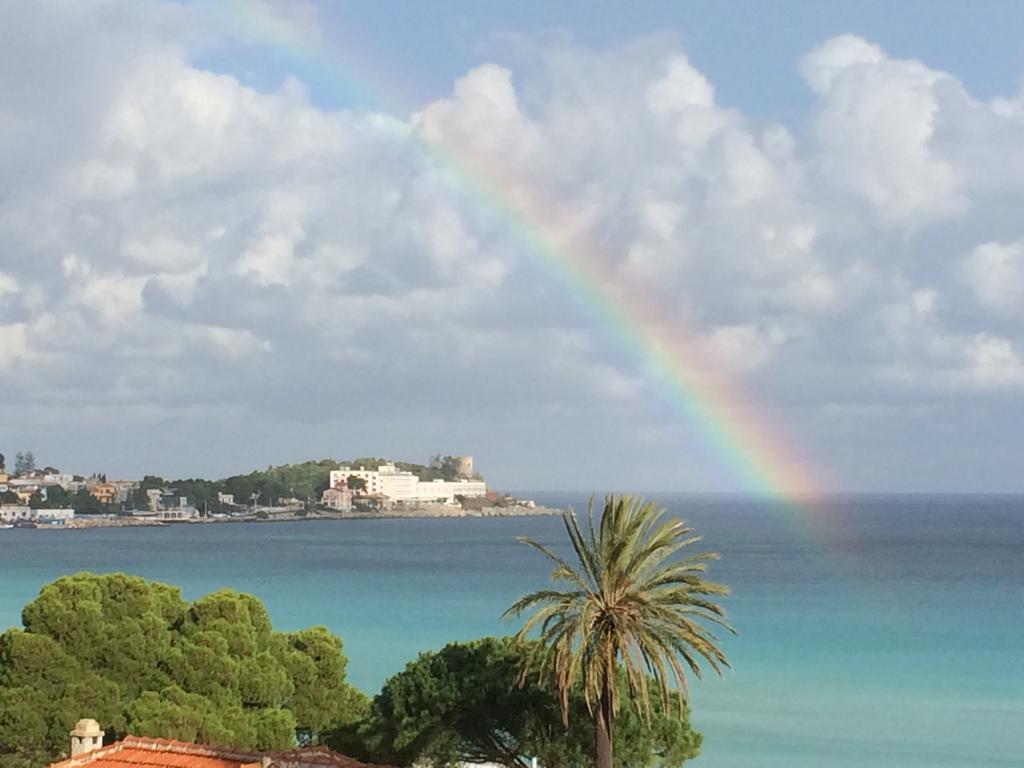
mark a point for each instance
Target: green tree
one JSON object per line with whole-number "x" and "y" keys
{"x": 463, "y": 704}
{"x": 136, "y": 656}
{"x": 84, "y": 503}
{"x": 43, "y": 691}
{"x": 55, "y": 498}
{"x": 117, "y": 626}
{"x": 316, "y": 665}
{"x": 356, "y": 483}
{"x": 630, "y": 605}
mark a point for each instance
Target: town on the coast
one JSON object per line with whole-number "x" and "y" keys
{"x": 34, "y": 496}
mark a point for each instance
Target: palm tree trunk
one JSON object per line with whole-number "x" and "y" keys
{"x": 603, "y": 728}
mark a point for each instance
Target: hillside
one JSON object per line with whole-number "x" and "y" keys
{"x": 306, "y": 480}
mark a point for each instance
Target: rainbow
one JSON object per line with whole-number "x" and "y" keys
{"x": 739, "y": 436}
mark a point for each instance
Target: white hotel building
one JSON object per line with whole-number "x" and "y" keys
{"x": 400, "y": 486}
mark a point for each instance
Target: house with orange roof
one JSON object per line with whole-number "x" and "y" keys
{"x": 87, "y": 751}
{"x": 105, "y": 493}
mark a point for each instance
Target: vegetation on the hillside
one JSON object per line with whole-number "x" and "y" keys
{"x": 463, "y": 704}
{"x": 304, "y": 481}
{"x": 138, "y": 658}
{"x": 629, "y": 608}
{"x": 439, "y": 468}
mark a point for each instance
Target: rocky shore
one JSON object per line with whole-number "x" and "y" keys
{"x": 442, "y": 510}
{"x": 98, "y": 521}
{"x": 420, "y": 511}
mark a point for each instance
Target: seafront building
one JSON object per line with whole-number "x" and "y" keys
{"x": 20, "y": 513}
{"x": 54, "y": 516}
{"x": 402, "y": 487}
{"x": 339, "y": 499}
{"x": 164, "y": 504}
{"x": 16, "y": 513}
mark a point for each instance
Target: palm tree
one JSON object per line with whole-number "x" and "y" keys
{"x": 628, "y": 602}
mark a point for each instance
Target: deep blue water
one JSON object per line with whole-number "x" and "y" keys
{"x": 881, "y": 631}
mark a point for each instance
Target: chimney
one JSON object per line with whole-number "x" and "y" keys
{"x": 86, "y": 737}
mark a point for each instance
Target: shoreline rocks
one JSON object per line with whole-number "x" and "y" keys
{"x": 429, "y": 511}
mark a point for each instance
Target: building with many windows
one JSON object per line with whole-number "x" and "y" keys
{"x": 14, "y": 513}
{"x": 20, "y": 513}
{"x": 400, "y": 486}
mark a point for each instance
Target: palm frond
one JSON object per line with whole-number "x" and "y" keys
{"x": 635, "y": 607}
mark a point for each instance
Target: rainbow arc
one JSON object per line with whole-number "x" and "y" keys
{"x": 738, "y": 434}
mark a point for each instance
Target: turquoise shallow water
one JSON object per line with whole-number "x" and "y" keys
{"x": 881, "y": 631}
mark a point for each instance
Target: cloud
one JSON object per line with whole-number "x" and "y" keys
{"x": 877, "y": 128}
{"x": 993, "y": 363}
{"x": 219, "y": 246}
{"x": 995, "y": 272}
{"x": 13, "y": 345}
{"x": 740, "y": 348}
{"x": 8, "y": 285}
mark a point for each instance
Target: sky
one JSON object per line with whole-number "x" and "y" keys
{"x": 235, "y": 234}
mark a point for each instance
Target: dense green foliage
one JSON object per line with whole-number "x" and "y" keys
{"x": 81, "y": 501}
{"x": 464, "y": 703}
{"x": 302, "y": 481}
{"x": 24, "y": 462}
{"x": 631, "y": 606}
{"x": 138, "y": 658}
{"x": 54, "y": 497}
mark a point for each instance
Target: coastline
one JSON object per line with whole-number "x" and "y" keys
{"x": 442, "y": 511}
{"x": 431, "y": 511}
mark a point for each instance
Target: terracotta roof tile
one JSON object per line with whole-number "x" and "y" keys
{"x": 142, "y": 752}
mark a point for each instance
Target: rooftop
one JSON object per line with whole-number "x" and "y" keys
{"x": 143, "y": 752}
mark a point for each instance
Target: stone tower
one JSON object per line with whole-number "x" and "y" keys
{"x": 86, "y": 737}
{"x": 464, "y": 466}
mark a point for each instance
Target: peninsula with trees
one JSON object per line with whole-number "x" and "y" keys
{"x": 445, "y": 486}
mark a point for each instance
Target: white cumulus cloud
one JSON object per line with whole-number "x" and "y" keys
{"x": 995, "y": 272}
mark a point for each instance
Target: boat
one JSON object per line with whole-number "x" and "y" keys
{"x": 5, "y": 526}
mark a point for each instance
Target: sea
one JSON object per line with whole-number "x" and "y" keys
{"x": 875, "y": 631}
